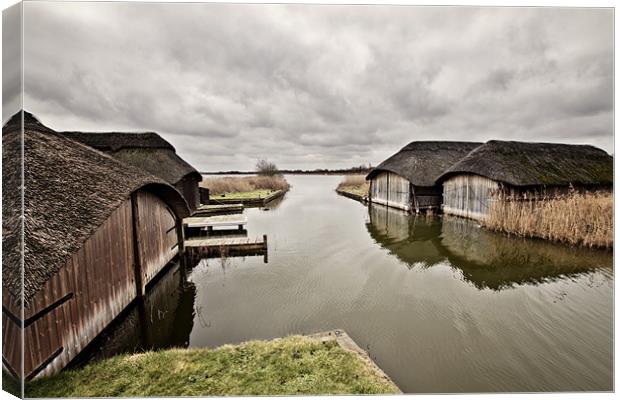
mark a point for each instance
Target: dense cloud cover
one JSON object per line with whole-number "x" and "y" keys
{"x": 319, "y": 86}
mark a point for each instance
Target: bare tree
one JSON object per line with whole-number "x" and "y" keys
{"x": 264, "y": 167}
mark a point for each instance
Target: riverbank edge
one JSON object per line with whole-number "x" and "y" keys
{"x": 352, "y": 195}
{"x": 483, "y": 225}
{"x": 364, "y": 369}
{"x": 346, "y": 342}
{"x": 250, "y": 201}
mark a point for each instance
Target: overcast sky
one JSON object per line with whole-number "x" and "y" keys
{"x": 319, "y": 86}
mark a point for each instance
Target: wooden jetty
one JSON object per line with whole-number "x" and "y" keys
{"x": 196, "y": 248}
{"x": 208, "y": 223}
{"x": 206, "y": 210}
{"x": 250, "y": 201}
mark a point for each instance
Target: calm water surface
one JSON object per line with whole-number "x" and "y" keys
{"x": 440, "y": 304}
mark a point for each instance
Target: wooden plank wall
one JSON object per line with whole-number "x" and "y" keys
{"x": 391, "y": 189}
{"x": 12, "y": 342}
{"x": 156, "y": 233}
{"x": 468, "y": 196}
{"x": 96, "y": 284}
{"x": 100, "y": 279}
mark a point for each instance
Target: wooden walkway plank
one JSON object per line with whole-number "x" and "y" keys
{"x": 215, "y": 220}
{"x": 225, "y": 246}
{"x": 214, "y": 209}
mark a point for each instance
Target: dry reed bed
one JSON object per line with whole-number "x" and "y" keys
{"x": 584, "y": 219}
{"x": 244, "y": 184}
{"x": 356, "y": 184}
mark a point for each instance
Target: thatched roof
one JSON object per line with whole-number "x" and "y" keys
{"x": 114, "y": 141}
{"x": 534, "y": 164}
{"x": 70, "y": 190}
{"x": 422, "y": 162}
{"x": 146, "y": 150}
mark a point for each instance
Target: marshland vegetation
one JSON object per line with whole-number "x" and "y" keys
{"x": 245, "y": 186}
{"x": 266, "y": 181}
{"x": 354, "y": 184}
{"x": 575, "y": 218}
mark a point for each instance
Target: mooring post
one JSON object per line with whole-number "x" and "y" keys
{"x": 266, "y": 255}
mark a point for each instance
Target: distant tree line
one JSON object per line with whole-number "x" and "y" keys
{"x": 264, "y": 167}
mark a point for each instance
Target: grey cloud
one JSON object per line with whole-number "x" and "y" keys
{"x": 319, "y": 86}
{"x": 11, "y": 61}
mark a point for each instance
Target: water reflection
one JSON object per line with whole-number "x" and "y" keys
{"x": 486, "y": 259}
{"x": 414, "y": 239}
{"x": 164, "y": 319}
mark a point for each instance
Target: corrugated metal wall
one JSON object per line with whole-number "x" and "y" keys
{"x": 468, "y": 195}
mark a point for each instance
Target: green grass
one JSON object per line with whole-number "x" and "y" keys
{"x": 10, "y": 384}
{"x": 294, "y": 365}
{"x": 255, "y": 194}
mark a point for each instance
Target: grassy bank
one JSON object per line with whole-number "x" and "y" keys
{"x": 244, "y": 187}
{"x": 584, "y": 219}
{"x": 355, "y": 184}
{"x": 294, "y": 365}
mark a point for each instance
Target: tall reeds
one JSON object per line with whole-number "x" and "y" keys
{"x": 356, "y": 184}
{"x": 244, "y": 184}
{"x": 584, "y": 219}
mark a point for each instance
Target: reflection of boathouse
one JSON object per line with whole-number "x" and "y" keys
{"x": 485, "y": 258}
{"x": 96, "y": 233}
{"x": 411, "y": 238}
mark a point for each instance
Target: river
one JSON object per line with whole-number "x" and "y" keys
{"x": 440, "y": 304}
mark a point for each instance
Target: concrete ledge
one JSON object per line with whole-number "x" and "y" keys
{"x": 345, "y": 341}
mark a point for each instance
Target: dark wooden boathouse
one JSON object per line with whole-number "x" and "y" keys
{"x": 151, "y": 152}
{"x": 521, "y": 170}
{"x": 406, "y": 180}
{"x": 96, "y": 231}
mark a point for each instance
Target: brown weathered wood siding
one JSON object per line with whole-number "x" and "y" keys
{"x": 12, "y": 344}
{"x": 95, "y": 285}
{"x": 100, "y": 277}
{"x": 156, "y": 234}
{"x": 468, "y": 195}
{"x": 391, "y": 190}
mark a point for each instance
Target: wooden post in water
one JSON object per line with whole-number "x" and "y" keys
{"x": 137, "y": 264}
{"x": 266, "y": 255}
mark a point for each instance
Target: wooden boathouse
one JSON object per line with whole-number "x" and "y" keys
{"x": 406, "y": 180}
{"x": 96, "y": 231}
{"x": 151, "y": 152}
{"x": 521, "y": 170}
